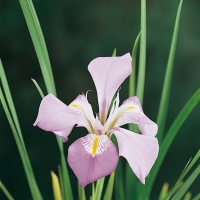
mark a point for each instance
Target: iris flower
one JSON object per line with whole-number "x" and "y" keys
{"x": 95, "y": 156}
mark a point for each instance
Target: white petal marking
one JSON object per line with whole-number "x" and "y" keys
{"x": 95, "y": 144}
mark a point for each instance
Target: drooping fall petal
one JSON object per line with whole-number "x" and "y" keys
{"x": 140, "y": 151}
{"x": 92, "y": 157}
{"x": 55, "y": 116}
{"x": 108, "y": 74}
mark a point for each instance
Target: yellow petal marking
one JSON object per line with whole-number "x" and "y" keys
{"x": 120, "y": 114}
{"x": 76, "y": 106}
{"x": 95, "y": 146}
{"x": 131, "y": 108}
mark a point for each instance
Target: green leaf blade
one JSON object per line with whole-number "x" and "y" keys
{"x": 197, "y": 197}
{"x": 16, "y": 130}
{"x": 38, "y": 88}
{"x": 36, "y": 195}
{"x": 174, "y": 130}
{"x": 164, "y": 147}
{"x": 187, "y": 168}
{"x": 39, "y": 43}
{"x": 163, "y": 107}
{"x": 109, "y": 188}
{"x": 142, "y": 56}
{"x": 132, "y": 78}
{"x": 10, "y": 102}
{"x": 43, "y": 58}
{"x": 99, "y": 189}
{"x": 179, "y": 194}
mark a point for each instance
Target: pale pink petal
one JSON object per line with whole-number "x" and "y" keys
{"x": 63, "y": 134}
{"x": 98, "y": 127}
{"x": 140, "y": 151}
{"x": 81, "y": 106}
{"x": 131, "y": 112}
{"x": 89, "y": 164}
{"x": 113, "y": 118}
{"x": 55, "y": 116}
{"x": 108, "y": 74}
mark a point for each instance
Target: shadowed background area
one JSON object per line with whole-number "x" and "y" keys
{"x": 77, "y": 32}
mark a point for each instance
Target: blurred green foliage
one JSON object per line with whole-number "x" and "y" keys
{"x": 76, "y": 32}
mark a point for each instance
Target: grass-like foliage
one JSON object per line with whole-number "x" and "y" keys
{"x": 121, "y": 183}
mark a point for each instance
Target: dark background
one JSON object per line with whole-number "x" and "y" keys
{"x": 76, "y": 32}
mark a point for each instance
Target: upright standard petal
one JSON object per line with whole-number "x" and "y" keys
{"x": 140, "y": 151}
{"x": 92, "y": 157}
{"x": 55, "y": 116}
{"x": 131, "y": 112}
{"x": 108, "y": 74}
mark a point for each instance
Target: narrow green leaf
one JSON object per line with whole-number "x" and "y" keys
{"x": 184, "y": 173}
{"x": 142, "y": 56}
{"x": 178, "y": 122}
{"x": 23, "y": 154}
{"x": 5, "y": 191}
{"x": 179, "y": 194}
{"x": 66, "y": 180}
{"x": 93, "y": 191}
{"x": 38, "y": 88}
{"x": 114, "y": 54}
{"x": 132, "y": 78}
{"x": 61, "y": 182}
{"x": 196, "y": 197}
{"x": 109, "y": 188}
{"x": 15, "y": 127}
{"x": 10, "y": 102}
{"x": 81, "y": 192}
{"x": 130, "y": 177}
{"x": 99, "y": 188}
{"x": 190, "y": 165}
{"x": 119, "y": 181}
{"x": 163, "y": 108}
{"x": 175, "y": 189}
{"x": 131, "y": 182}
{"x": 42, "y": 54}
{"x": 39, "y": 43}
